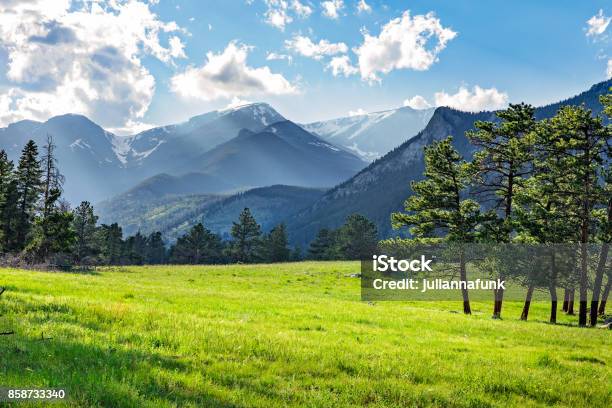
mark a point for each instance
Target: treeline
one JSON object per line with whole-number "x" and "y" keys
{"x": 38, "y": 227}
{"x": 540, "y": 182}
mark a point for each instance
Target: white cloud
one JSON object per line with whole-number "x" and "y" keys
{"x": 84, "y": 58}
{"x": 597, "y": 24}
{"x": 273, "y": 56}
{"x": 332, "y": 8}
{"x": 305, "y": 47}
{"x": 477, "y": 99}
{"x": 417, "y": 102}
{"x": 236, "y": 102}
{"x": 277, "y": 14}
{"x": 403, "y": 44}
{"x": 357, "y": 112}
{"x": 227, "y": 75}
{"x": 363, "y": 7}
{"x": 609, "y": 71}
{"x": 342, "y": 66}
{"x": 302, "y": 10}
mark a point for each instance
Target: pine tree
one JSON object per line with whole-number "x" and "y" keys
{"x": 28, "y": 189}
{"x": 53, "y": 231}
{"x": 156, "y": 250}
{"x": 322, "y": 247}
{"x": 276, "y": 245}
{"x": 439, "y": 208}
{"x": 541, "y": 212}
{"x": 7, "y": 203}
{"x": 84, "y": 224}
{"x": 198, "y": 246}
{"x": 582, "y": 142}
{"x": 111, "y": 243}
{"x": 134, "y": 249}
{"x": 246, "y": 234}
{"x": 501, "y": 165}
{"x": 358, "y": 238}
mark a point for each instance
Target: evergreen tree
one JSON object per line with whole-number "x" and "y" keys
{"x": 28, "y": 189}
{"x": 358, "y": 238}
{"x": 198, "y": 246}
{"x": 296, "y": 254}
{"x": 541, "y": 212}
{"x": 323, "y": 246}
{"x": 7, "y": 200}
{"x": 582, "y": 142}
{"x": 84, "y": 224}
{"x": 246, "y": 234}
{"x": 276, "y": 245}
{"x": 111, "y": 243}
{"x": 53, "y": 227}
{"x": 134, "y": 249}
{"x": 500, "y": 166}
{"x": 156, "y": 250}
{"x": 439, "y": 208}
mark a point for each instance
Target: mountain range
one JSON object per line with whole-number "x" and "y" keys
{"x": 208, "y": 168}
{"x": 221, "y": 151}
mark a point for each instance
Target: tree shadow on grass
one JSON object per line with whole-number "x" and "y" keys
{"x": 93, "y": 375}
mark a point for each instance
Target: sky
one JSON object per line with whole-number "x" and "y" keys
{"x": 131, "y": 65}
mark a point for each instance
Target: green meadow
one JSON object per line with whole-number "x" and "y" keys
{"x": 283, "y": 335}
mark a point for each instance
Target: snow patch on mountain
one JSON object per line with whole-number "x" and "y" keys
{"x": 372, "y": 135}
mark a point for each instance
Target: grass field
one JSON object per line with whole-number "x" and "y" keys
{"x": 283, "y": 335}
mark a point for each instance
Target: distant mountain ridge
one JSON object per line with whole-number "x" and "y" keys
{"x": 99, "y": 165}
{"x": 173, "y": 215}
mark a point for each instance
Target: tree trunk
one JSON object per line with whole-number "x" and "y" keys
{"x": 497, "y": 306}
{"x": 570, "y": 303}
{"x": 584, "y": 268}
{"x": 464, "y": 290}
{"x": 604, "y": 298}
{"x": 525, "y": 313}
{"x": 552, "y": 287}
{"x": 598, "y": 282}
{"x": 565, "y": 299}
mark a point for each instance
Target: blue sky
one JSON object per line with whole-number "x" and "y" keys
{"x": 476, "y": 54}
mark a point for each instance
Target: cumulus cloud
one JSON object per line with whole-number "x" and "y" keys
{"x": 609, "y": 71}
{"x": 363, "y": 7}
{"x": 477, "y": 99}
{"x": 307, "y": 48}
{"x": 279, "y": 12}
{"x": 403, "y": 43}
{"x": 84, "y": 58}
{"x": 417, "y": 102}
{"x": 227, "y": 75}
{"x": 332, "y": 8}
{"x": 597, "y": 24}
{"x": 342, "y": 66}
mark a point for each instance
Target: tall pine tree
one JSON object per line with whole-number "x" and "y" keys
{"x": 84, "y": 224}
{"x": 28, "y": 184}
{"x": 276, "y": 245}
{"x": 439, "y": 207}
{"x": 246, "y": 234}
{"x": 501, "y": 165}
